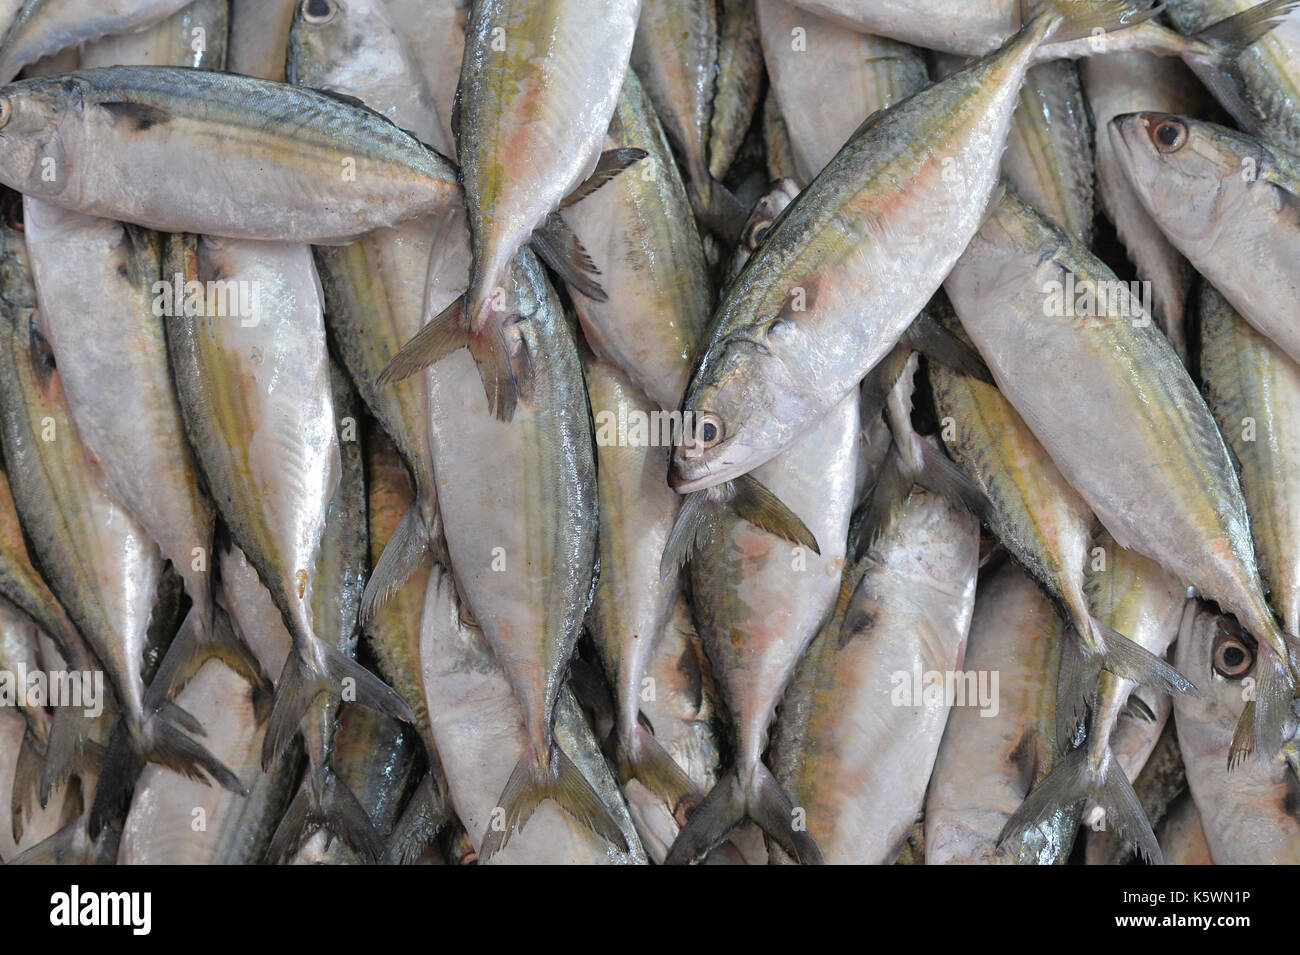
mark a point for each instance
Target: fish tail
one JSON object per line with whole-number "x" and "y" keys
{"x": 492, "y": 355}
{"x": 1230, "y": 36}
{"x": 1261, "y": 726}
{"x": 440, "y": 336}
{"x": 68, "y": 846}
{"x": 423, "y": 818}
{"x": 1076, "y": 682}
{"x": 1075, "y": 778}
{"x": 404, "y": 552}
{"x": 533, "y": 781}
{"x": 728, "y": 805}
{"x": 643, "y": 757}
{"x": 716, "y": 207}
{"x": 301, "y": 682}
{"x": 204, "y": 634}
{"x": 332, "y": 804}
{"x": 66, "y": 749}
{"x": 1124, "y": 658}
{"x": 27, "y": 781}
{"x": 1072, "y": 19}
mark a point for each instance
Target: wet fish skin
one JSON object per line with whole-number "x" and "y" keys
{"x": 769, "y": 370}
{"x": 436, "y": 32}
{"x": 194, "y": 36}
{"x": 44, "y": 27}
{"x": 323, "y": 171}
{"x": 1124, "y": 83}
{"x": 259, "y": 35}
{"x": 738, "y": 88}
{"x": 1227, "y": 202}
{"x": 987, "y": 764}
{"x": 1247, "y": 812}
{"x": 641, "y": 235}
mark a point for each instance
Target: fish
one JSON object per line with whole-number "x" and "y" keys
{"x": 776, "y": 142}
{"x": 804, "y": 53}
{"x": 854, "y": 752}
{"x": 194, "y": 36}
{"x": 480, "y": 723}
{"x": 1124, "y": 83}
{"x": 435, "y": 31}
{"x": 632, "y": 603}
{"x": 1147, "y": 429}
{"x": 988, "y": 761}
{"x": 738, "y": 88}
{"x": 258, "y": 406}
{"x": 326, "y": 169}
{"x": 538, "y": 87}
{"x": 1135, "y": 595}
{"x": 1229, "y": 203}
{"x": 1182, "y": 837}
{"x": 259, "y": 36}
{"x": 641, "y": 235}
{"x": 19, "y": 644}
{"x": 789, "y": 338}
{"x": 100, "y": 563}
{"x": 1248, "y": 813}
{"x": 44, "y": 27}
{"x": 520, "y": 527}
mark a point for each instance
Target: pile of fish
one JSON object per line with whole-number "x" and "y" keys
{"x": 625, "y": 431}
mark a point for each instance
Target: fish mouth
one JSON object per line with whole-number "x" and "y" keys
{"x": 693, "y": 474}
{"x": 1120, "y": 129}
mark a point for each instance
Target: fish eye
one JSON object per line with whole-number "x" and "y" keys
{"x": 709, "y": 429}
{"x": 6, "y": 111}
{"x": 757, "y": 233}
{"x": 1169, "y": 135}
{"x": 318, "y": 11}
{"x": 1234, "y": 654}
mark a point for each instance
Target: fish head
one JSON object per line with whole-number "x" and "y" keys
{"x": 1189, "y": 174}
{"x": 1216, "y": 654}
{"x": 351, "y": 46}
{"x": 39, "y": 122}
{"x": 743, "y": 408}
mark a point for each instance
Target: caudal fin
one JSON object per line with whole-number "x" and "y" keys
{"x": 1126, "y": 659}
{"x": 332, "y": 805}
{"x": 1261, "y": 728}
{"x": 531, "y": 782}
{"x": 403, "y": 554}
{"x": 301, "y": 682}
{"x": 27, "y": 781}
{"x": 200, "y": 638}
{"x": 68, "y": 749}
{"x": 728, "y": 805}
{"x": 1081, "y": 18}
{"x": 645, "y": 759}
{"x": 423, "y": 818}
{"x": 1075, "y": 779}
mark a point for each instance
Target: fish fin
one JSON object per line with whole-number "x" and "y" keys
{"x": 727, "y": 806}
{"x": 182, "y": 717}
{"x": 1231, "y": 36}
{"x": 492, "y": 355}
{"x": 1076, "y": 682}
{"x": 1127, "y": 659}
{"x": 197, "y": 641}
{"x": 609, "y": 165}
{"x": 141, "y": 116}
{"x": 530, "y": 783}
{"x": 645, "y": 759}
{"x": 1243, "y": 737}
{"x": 405, "y": 551}
{"x": 1274, "y": 691}
{"x": 425, "y": 814}
{"x": 167, "y": 746}
{"x": 1072, "y": 781}
{"x": 292, "y": 827}
{"x": 888, "y": 494}
{"x": 936, "y": 343}
{"x": 1079, "y": 18}
{"x": 559, "y": 247}
{"x": 756, "y": 504}
{"x": 941, "y": 476}
{"x": 718, "y": 209}
{"x": 696, "y": 522}
{"x": 66, "y": 749}
{"x": 432, "y": 343}
{"x": 27, "y": 781}
{"x": 300, "y": 684}
{"x": 343, "y": 814}
{"x": 65, "y": 847}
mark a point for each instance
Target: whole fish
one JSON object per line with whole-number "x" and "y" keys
{"x": 259, "y": 36}
{"x": 632, "y": 603}
{"x": 324, "y": 170}
{"x": 1125, "y": 83}
{"x": 480, "y": 724}
{"x": 259, "y": 411}
{"x": 759, "y": 601}
{"x": 538, "y": 86}
{"x": 846, "y": 269}
{"x": 1132, "y": 595}
{"x": 641, "y": 235}
{"x": 44, "y": 27}
{"x": 1253, "y": 388}
{"x": 854, "y": 745}
{"x": 804, "y": 53}
{"x": 193, "y": 36}
{"x": 989, "y": 759}
{"x": 1268, "y": 72}
{"x": 1230, "y": 203}
{"x": 1147, "y": 456}
{"x": 100, "y": 563}
{"x": 1249, "y": 811}
{"x": 520, "y": 526}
